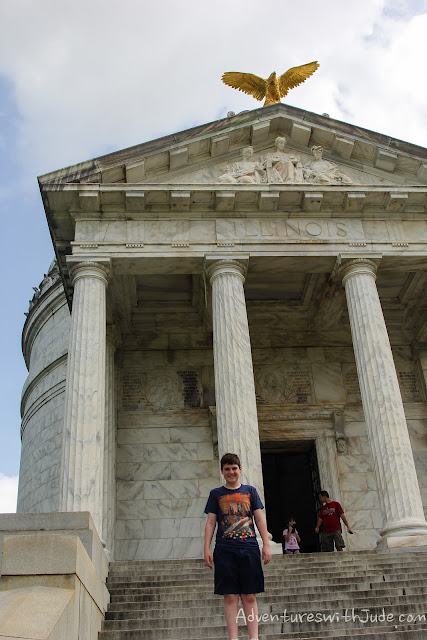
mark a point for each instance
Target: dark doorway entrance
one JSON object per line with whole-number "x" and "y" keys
{"x": 291, "y": 486}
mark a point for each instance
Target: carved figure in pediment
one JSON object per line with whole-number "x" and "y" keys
{"x": 247, "y": 171}
{"x": 281, "y": 167}
{"x": 320, "y": 171}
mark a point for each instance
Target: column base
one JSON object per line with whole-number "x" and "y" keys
{"x": 402, "y": 543}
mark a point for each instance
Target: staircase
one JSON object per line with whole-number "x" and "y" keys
{"x": 173, "y": 600}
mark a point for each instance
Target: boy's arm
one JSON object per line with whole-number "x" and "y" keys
{"x": 209, "y": 529}
{"x": 319, "y": 524}
{"x": 262, "y": 528}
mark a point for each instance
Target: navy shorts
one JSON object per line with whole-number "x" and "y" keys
{"x": 238, "y": 569}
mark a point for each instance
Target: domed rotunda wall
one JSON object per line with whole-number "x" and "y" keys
{"x": 44, "y": 344}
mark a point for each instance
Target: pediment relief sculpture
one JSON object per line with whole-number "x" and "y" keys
{"x": 279, "y": 167}
{"x": 247, "y": 171}
{"x": 320, "y": 171}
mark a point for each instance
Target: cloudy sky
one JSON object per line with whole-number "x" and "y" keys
{"x": 80, "y": 79}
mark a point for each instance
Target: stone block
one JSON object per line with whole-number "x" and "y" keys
{"x": 144, "y": 509}
{"x": 52, "y": 554}
{"x": 200, "y": 469}
{"x": 402, "y": 543}
{"x": 190, "y": 434}
{"x": 137, "y": 471}
{"x": 79, "y": 523}
{"x": 38, "y": 613}
{"x": 328, "y": 382}
{"x": 188, "y": 547}
{"x": 171, "y": 489}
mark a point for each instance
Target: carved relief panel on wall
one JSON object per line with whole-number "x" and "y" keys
{"x": 283, "y": 385}
{"x": 161, "y": 389}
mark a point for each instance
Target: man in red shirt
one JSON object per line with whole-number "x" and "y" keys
{"x": 329, "y": 516}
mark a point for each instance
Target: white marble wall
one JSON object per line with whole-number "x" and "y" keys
{"x": 165, "y": 470}
{"x": 46, "y": 336}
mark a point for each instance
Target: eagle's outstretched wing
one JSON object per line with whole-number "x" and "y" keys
{"x": 295, "y": 76}
{"x": 246, "y": 82}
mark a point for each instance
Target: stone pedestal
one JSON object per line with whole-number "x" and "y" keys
{"x": 82, "y": 464}
{"x": 382, "y": 403}
{"x": 236, "y": 411}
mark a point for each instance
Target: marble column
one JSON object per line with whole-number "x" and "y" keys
{"x": 422, "y": 370}
{"x": 109, "y": 501}
{"x": 397, "y": 481}
{"x": 236, "y": 411}
{"x": 82, "y": 479}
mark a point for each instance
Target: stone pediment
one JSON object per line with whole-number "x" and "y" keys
{"x": 205, "y": 154}
{"x": 270, "y": 166}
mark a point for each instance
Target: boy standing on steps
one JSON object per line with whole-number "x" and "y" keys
{"x": 237, "y": 560}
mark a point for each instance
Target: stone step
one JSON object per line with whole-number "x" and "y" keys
{"x": 368, "y": 582}
{"x": 190, "y": 582}
{"x": 272, "y": 594}
{"x": 357, "y": 556}
{"x": 271, "y": 579}
{"x": 389, "y": 632}
{"x": 213, "y": 605}
{"x": 188, "y": 610}
{"x": 277, "y": 571}
{"x": 317, "y": 560}
{"x": 290, "y": 618}
{"x": 173, "y": 600}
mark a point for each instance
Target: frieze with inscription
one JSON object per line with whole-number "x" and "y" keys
{"x": 282, "y": 229}
{"x": 257, "y": 229}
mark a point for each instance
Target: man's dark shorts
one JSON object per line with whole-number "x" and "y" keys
{"x": 328, "y": 540}
{"x": 238, "y": 569}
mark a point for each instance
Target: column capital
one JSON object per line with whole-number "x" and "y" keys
{"x": 90, "y": 269}
{"x": 221, "y": 265}
{"x": 347, "y": 266}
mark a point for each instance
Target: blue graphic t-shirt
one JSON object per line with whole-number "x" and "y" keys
{"x": 234, "y": 513}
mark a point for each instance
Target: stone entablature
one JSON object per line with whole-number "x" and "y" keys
{"x": 85, "y": 201}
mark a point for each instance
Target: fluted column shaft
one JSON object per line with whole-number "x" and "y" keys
{"x": 84, "y": 411}
{"x": 237, "y": 421}
{"x": 382, "y": 403}
{"x": 109, "y": 504}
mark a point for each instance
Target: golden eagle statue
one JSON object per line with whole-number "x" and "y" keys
{"x": 273, "y": 88}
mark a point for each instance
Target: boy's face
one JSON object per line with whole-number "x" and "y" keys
{"x": 231, "y": 473}
{"x": 323, "y": 499}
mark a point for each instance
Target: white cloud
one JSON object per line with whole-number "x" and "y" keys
{"x": 8, "y": 493}
{"x": 94, "y": 76}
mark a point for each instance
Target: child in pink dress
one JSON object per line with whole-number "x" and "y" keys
{"x": 291, "y": 537}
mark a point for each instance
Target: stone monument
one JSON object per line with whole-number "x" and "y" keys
{"x": 257, "y": 285}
